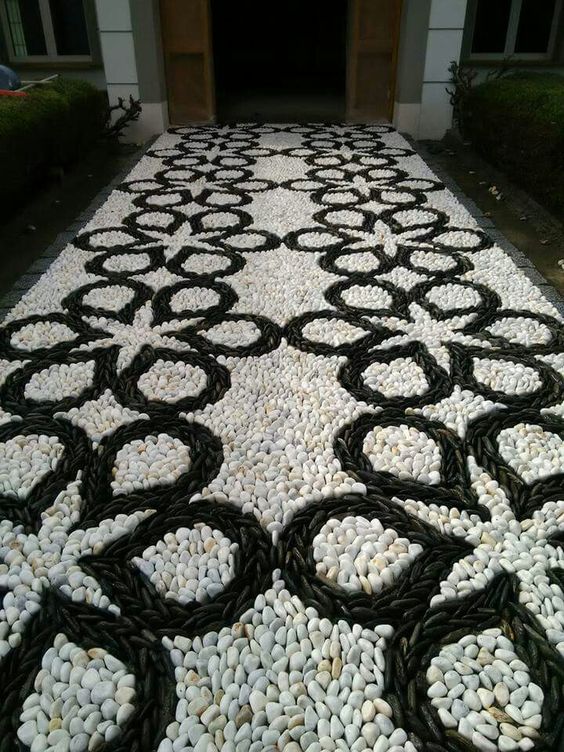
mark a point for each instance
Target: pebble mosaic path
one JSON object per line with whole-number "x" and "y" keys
{"x": 282, "y": 465}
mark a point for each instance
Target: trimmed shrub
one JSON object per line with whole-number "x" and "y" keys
{"x": 45, "y": 131}
{"x": 517, "y": 123}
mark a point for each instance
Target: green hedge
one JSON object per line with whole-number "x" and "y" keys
{"x": 46, "y": 130}
{"x": 517, "y": 122}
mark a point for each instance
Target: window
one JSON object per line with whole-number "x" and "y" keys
{"x": 40, "y": 30}
{"x": 525, "y": 29}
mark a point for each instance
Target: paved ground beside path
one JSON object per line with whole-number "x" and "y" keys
{"x": 526, "y": 224}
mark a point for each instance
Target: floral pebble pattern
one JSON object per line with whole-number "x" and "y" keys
{"x": 281, "y": 465}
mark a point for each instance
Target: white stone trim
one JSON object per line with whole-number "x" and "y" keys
{"x": 444, "y": 44}
{"x": 406, "y": 117}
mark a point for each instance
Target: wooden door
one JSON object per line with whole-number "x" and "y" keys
{"x": 186, "y": 33}
{"x": 372, "y": 53}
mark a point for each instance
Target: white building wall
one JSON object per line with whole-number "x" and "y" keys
{"x": 120, "y": 65}
{"x": 444, "y": 44}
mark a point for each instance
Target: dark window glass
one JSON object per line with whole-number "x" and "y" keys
{"x": 535, "y": 24}
{"x": 490, "y": 28}
{"x": 69, "y": 25}
{"x": 26, "y": 28}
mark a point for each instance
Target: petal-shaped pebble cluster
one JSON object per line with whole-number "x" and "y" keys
{"x": 404, "y": 451}
{"x": 41, "y": 334}
{"x": 189, "y": 564}
{"x": 169, "y": 381}
{"x": 283, "y": 676}
{"x": 531, "y": 451}
{"x": 81, "y": 699}
{"x": 517, "y": 379}
{"x": 480, "y": 687}
{"x": 101, "y": 417}
{"x": 59, "y": 381}
{"x": 152, "y": 461}
{"x": 360, "y": 554}
{"x": 400, "y": 377}
{"x": 24, "y": 461}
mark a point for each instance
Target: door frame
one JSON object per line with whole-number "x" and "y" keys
{"x": 207, "y": 109}
{"x": 356, "y": 47}
{"x": 188, "y": 55}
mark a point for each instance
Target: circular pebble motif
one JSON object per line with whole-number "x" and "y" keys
{"x": 363, "y": 296}
{"x": 331, "y": 332}
{"x": 361, "y": 261}
{"x": 452, "y": 296}
{"x": 205, "y": 263}
{"x": 233, "y": 333}
{"x": 194, "y": 299}
{"x": 111, "y": 298}
{"x": 522, "y": 331}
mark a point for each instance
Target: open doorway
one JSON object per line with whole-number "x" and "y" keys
{"x": 280, "y": 62}
{"x": 296, "y": 61}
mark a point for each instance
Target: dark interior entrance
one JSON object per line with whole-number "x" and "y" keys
{"x": 280, "y": 62}
{"x": 298, "y": 60}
